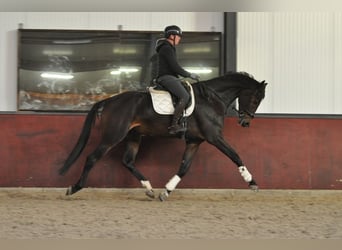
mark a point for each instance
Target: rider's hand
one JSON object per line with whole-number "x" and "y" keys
{"x": 194, "y": 76}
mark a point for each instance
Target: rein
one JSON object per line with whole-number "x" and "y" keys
{"x": 213, "y": 92}
{"x": 240, "y": 113}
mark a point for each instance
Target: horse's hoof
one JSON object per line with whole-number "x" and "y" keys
{"x": 254, "y": 188}
{"x": 150, "y": 194}
{"x": 73, "y": 189}
{"x": 69, "y": 191}
{"x": 163, "y": 196}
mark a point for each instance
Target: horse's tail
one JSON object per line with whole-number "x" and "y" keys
{"x": 83, "y": 138}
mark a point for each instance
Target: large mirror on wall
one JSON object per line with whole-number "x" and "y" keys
{"x": 69, "y": 70}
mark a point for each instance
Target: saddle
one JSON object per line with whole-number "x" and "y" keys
{"x": 163, "y": 102}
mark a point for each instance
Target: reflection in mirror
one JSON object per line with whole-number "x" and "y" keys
{"x": 69, "y": 70}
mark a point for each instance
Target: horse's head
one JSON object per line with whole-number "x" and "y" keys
{"x": 249, "y": 101}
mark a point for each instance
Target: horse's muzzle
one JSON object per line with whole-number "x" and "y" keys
{"x": 245, "y": 119}
{"x": 244, "y": 122}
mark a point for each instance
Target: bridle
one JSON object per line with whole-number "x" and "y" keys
{"x": 243, "y": 112}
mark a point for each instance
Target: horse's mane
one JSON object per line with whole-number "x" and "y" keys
{"x": 239, "y": 73}
{"x": 236, "y": 76}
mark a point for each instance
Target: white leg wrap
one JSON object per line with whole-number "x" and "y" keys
{"x": 146, "y": 184}
{"x": 245, "y": 174}
{"x": 171, "y": 185}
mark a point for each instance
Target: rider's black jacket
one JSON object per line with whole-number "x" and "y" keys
{"x": 167, "y": 60}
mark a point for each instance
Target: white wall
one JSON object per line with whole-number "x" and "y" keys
{"x": 154, "y": 21}
{"x": 299, "y": 54}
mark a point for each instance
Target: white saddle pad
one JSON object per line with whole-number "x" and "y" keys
{"x": 162, "y": 101}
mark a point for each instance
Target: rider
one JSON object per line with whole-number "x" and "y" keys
{"x": 168, "y": 72}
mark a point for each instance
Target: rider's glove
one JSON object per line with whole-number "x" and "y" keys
{"x": 194, "y": 76}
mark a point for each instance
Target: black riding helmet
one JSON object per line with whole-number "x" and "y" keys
{"x": 172, "y": 30}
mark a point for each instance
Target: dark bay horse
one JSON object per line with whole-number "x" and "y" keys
{"x": 130, "y": 116}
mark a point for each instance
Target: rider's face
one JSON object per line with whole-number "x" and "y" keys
{"x": 174, "y": 39}
{"x": 177, "y": 39}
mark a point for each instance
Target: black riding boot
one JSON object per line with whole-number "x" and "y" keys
{"x": 175, "y": 127}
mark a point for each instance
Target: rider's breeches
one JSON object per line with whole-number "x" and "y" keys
{"x": 174, "y": 85}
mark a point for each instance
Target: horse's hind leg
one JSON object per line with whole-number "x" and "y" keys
{"x": 133, "y": 143}
{"x": 91, "y": 160}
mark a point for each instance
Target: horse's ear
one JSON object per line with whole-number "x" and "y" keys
{"x": 264, "y": 83}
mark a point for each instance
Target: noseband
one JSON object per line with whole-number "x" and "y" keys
{"x": 243, "y": 112}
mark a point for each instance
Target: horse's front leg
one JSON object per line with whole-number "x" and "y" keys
{"x": 225, "y": 148}
{"x": 133, "y": 144}
{"x": 190, "y": 151}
